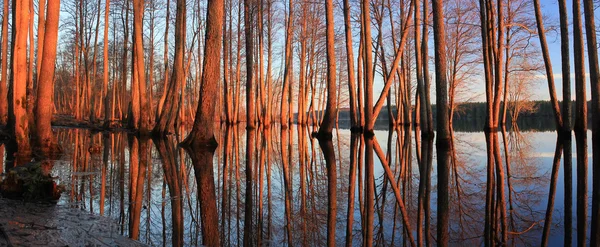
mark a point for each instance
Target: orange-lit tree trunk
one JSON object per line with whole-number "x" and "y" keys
{"x": 443, "y": 124}
{"x": 144, "y": 121}
{"x": 4, "y": 72}
{"x": 107, "y": 112}
{"x": 17, "y": 114}
{"x": 169, "y": 111}
{"x": 163, "y": 96}
{"x": 549, "y": 74}
{"x": 580, "y": 126}
{"x": 288, "y": 66}
{"x": 331, "y": 108}
{"x": 302, "y": 77}
{"x": 592, "y": 45}
{"x": 203, "y": 130}
{"x": 354, "y": 124}
{"x": 249, "y": 36}
{"x": 40, "y": 35}
{"x": 566, "y": 131}
{"x": 45, "y": 93}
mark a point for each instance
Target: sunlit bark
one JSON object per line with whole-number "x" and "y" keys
{"x": 203, "y": 130}
{"x": 18, "y": 122}
{"x": 166, "y": 120}
{"x": 443, "y": 126}
{"x": 4, "y": 68}
{"x": 288, "y": 67}
{"x": 45, "y": 95}
{"x": 580, "y": 127}
{"x": 592, "y": 45}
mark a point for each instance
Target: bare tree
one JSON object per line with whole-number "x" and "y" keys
{"x": 203, "y": 131}
{"x": 45, "y": 94}
{"x": 18, "y": 121}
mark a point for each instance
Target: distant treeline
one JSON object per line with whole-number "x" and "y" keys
{"x": 470, "y": 117}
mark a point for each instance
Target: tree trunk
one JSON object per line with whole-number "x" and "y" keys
{"x": 331, "y": 108}
{"x": 45, "y": 99}
{"x": 566, "y": 131}
{"x": 144, "y": 123}
{"x": 350, "y": 63}
{"x": 249, "y": 36}
{"x": 107, "y": 112}
{"x": 203, "y": 129}
{"x": 17, "y": 115}
{"x": 548, "y": 64}
{"x": 170, "y": 108}
{"x": 580, "y": 127}
{"x": 443, "y": 126}
{"x": 288, "y": 73}
{"x": 4, "y": 72}
{"x": 592, "y": 45}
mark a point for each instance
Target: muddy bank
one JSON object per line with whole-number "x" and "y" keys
{"x": 47, "y": 224}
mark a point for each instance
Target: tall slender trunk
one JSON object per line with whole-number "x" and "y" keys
{"x": 443, "y": 126}
{"x": 108, "y": 116}
{"x": 203, "y": 129}
{"x": 548, "y": 64}
{"x": 249, "y": 36}
{"x": 144, "y": 123}
{"x": 40, "y": 35}
{"x": 566, "y": 131}
{"x": 45, "y": 99}
{"x": 288, "y": 67}
{"x": 163, "y": 97}
{"x": 4, "y": 69}
{"x": 350, "y": 64}
{"x": 592, "y": 45}
{"x": 331, "y": 108}
{"x": 580, "y": 127}
{"x": 168, "y": 114}
{"x": 17, "y": 113}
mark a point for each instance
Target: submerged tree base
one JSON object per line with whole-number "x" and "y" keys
{"x": 30, "y": 182}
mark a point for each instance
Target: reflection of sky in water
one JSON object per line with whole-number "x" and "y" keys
{"x": 530, "y": 167}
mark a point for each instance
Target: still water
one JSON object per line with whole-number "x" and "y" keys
{"x": 272, "y": 187}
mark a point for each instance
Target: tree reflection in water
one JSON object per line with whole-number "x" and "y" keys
{"x": 273, "y": 187}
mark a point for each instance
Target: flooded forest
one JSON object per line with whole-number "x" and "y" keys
{"x": 299, "y": 123}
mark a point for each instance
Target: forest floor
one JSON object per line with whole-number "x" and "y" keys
{"x": 49, "y": 224}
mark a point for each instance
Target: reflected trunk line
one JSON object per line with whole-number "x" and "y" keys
{"x": 287, "y": 185}
{"x": 508, "y": 178}
{"x": 122, "y": 185}
{"x": 302, "y": 157}
{"x": 237, "y": 182}
{"x": 361, "y": 178}
{"x": 351, "y": 189}
{"x": 500, "y": 177}
{"x": 202, "y": 159}
{"x": 133, "y": 176}
{"x": 582, "y": 184}
{"x": 456, "y": 176}
{"x": 424, "y": 190}
{"x": 489, "y": 201}
{"x": 369, "y": 194}
{"x": 399, "y": 200}
{"x": 269, "y": 205}
{"x": 162, "y": 210}
{"x": 138, "y": 193}
{"x": 248, "y": 210}
{"x": 168, "y": 156}
{"x": 105, "y": 156}
{"x": 225, "y": 192}
{"x": 260, "y": 187}
{"x": 329, "y": 153}
{"x": 552, "y": 193}
{"x": 186, "y": 187}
